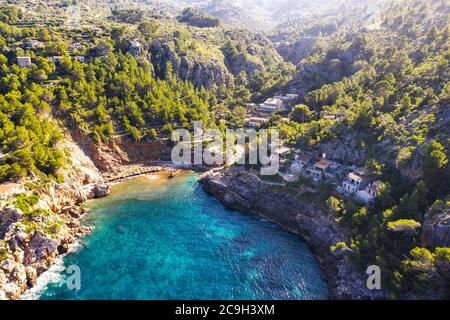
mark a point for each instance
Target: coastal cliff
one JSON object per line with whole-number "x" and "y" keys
{"x": 246, "y": 193}
{"x": 39, "y": 221}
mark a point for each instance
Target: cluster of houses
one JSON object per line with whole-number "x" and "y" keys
{"x": 357, "y": 182}
{"x": 26, "y": 62}
{"x": 136, "y": 48}
{"x": 259, "y": 114}
{"x": 350, "y": 181}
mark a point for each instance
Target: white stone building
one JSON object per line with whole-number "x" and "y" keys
{"x": 356, "y": 180}
{"x": 272, "y": 105}
{"x": 256, "y": 121}
{"x": 24, "y": 62}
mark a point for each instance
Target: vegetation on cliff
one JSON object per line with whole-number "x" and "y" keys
{"x": 387, "y": 87}
{"x": 374, "y": 90}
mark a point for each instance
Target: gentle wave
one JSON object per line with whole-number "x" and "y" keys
{"x": 55, "y": 274}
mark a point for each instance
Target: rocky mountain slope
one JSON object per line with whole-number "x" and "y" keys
{"x": 267, "y": 14}
{"x": 204, "y": 51}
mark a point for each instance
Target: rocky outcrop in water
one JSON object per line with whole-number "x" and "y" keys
{"x": 100, "y": 191}
{"x": 241, "y": 191}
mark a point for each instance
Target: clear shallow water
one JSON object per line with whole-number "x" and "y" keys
{"x": 157, "y": 238}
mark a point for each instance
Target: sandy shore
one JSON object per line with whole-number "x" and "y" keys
{"x": 135, "y": 170}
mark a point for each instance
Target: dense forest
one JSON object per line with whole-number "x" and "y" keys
{"x": 112, "y": 94}
{"x": 118, "y": 91}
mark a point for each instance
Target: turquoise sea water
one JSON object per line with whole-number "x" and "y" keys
{"x": 160, "y": 238}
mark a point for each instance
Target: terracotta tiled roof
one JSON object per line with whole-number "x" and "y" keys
{"x": 323, "y": 164}
{"x": 5, "y": 187}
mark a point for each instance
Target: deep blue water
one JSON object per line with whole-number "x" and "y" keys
{"x": 157, "y": 238}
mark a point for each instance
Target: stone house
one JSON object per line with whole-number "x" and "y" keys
{"x": 272, "y": 105}
{"x": 356, "y": 180}
{"x": 320, "y": 168}
{"x": 370, "y": 192}
{"x": 287, "y": 99}
{"x": 338, "y": 115}
{"x": 24, "y": 62}
{"x": 255, "y": 121}
{"x": 304, "y": 159}
{"x": 292, "y": 96}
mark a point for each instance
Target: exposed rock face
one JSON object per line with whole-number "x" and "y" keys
{"x": 295, "y": 52}
{"x": 26, "y": 252}
{"x": 436, "y": 230}
{"x": 344, "y": 151}
{"x": 200, "y": 73}
{"x": 240, "y": 191}
{"x": 109, "y": 157}
{"x": 40, "y": 248}
{"x": 7, "y": 217}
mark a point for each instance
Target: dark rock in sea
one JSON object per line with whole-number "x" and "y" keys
{"x": 63, "y": 249}
{"x": 101, "y": 191}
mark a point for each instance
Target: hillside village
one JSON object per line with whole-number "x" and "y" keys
{"x": 348, "y": 180}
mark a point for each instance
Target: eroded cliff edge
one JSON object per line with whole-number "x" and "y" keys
{"x": 244, "y": 192}
{"x": 45, "y": 221}
{"x": 39, "y": 220}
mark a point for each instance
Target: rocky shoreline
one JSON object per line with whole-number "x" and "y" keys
{"x": 31, "y": 241}
{"x": 245, "y": 193}
{"x": 32, "y": 254}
